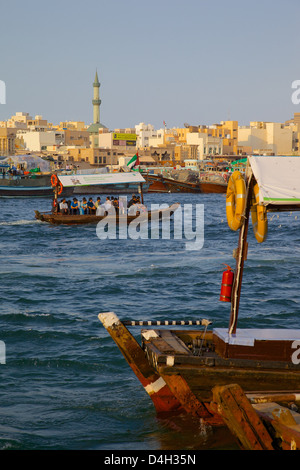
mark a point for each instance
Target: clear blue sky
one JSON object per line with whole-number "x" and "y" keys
{"x": 190, "y": 61}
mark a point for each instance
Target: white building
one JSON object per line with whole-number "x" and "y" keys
{"x": 36, "y": 141}
{"x": 144, "y": 132}
{"x": 120, "y": 140}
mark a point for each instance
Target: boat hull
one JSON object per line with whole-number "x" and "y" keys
{"x": 69, "y": 219}
{"x": 29, "y": 186}
{"x": 159, "y": 184}
{"x": 190, "y": 372}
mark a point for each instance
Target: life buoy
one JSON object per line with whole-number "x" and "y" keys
{"x": 235, "y": 200}
{"x": 60, "y": 188}
{"x": 54, "y": 180}
{"x": 259, "y": 217}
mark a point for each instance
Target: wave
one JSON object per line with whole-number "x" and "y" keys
{"x": 22, "y": 222}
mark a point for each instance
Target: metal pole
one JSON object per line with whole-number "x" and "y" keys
{"x": 241, "y": 257}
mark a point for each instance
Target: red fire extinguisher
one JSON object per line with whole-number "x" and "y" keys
{"x": 226, "y": 286}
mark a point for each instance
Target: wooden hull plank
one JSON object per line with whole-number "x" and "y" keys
{"x": 241, "y": 418}
{"x": 163, "y": 399}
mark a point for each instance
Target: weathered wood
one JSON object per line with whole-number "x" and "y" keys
{"x": 163, "y": 399}
{"x": 241, "y": 418}
{"x": 285, "y": 423}
{"x": 175, "y": 343}
{"x": 190, "y": 402}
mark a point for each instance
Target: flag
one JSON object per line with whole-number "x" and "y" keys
{"x": 134, "y": 161}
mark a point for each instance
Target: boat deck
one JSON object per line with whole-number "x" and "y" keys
{"x": 205, "y": 360}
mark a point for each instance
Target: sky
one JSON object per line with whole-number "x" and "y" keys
{"x": 192, "y": 61}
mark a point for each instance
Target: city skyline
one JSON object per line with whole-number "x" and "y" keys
{"x": 193, "y": 63}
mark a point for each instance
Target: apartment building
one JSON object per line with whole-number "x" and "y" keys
{"x": 266, "y": 138}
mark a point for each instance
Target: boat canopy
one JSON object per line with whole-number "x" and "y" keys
{"x": 101, "y": 179}
{"x": 278, "y": 179}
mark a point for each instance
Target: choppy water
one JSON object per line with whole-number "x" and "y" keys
{"x": 65, "y": 385}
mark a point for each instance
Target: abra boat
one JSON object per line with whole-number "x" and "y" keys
{"x": 68, "y": 219}
{"x": 61, "y": 183}
{"x": 179, "y": 368}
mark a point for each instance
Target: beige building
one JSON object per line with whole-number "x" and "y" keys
{"x": 267, "y": 138}
{"x": 77, "y": 138}
{"x": 19, "y": 120}
{"x": 7, "y": 141}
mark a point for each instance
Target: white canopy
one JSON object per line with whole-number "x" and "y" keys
{"x": 278, "y": 179}
{"x": 100, "y": 179}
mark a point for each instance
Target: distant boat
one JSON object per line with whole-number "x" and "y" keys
{"x": 31, "y": 185}
{"x": 39, "y": 184}
{"x": 160, "y": 184}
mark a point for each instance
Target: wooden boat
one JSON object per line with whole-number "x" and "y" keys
{"x": 160, "y": 184}
{"x": 178, "y": 367}
{"x": 260, "y": 421}
{"x": 31, "y": 185}
{"x": 57, "y": 218}
{"x": 63, "y": 182}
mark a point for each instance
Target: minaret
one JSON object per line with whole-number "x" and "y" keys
{"x": 96, "y": 101}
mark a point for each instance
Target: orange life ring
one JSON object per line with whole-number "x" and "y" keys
{"x": 54, "y": 180}
{"x": 60, "y": 188}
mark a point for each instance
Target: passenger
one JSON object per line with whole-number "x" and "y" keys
{"x": 98, "y": 202}
{"x": 132, "y": 201}
{"x": 100, "y": 210}
{"x": 84, "y": 205}
{"x": 140, "y": 207}
{"x": 63, "y": 207}
{"x": 107, "y": 205}
{"x": 74, "y": 206}
{"x": 115, "y": 204}
{"x": 91, "y": 206}
{"x": 121, "y": 206}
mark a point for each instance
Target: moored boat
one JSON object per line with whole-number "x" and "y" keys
{"x": 160, "y": 184}
{"x": 178, "y": 367}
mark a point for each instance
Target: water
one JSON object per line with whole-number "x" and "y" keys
{"x": 65, "y": 385}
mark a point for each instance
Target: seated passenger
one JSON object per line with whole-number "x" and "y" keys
{"x": 91, "y": 206}
{"x": 107, "y": 205}
{"x": 100, "y": 210}
{"x": 98, "y": 202}
{"x": 84, "y": 205}
{"x": 63, "y": 207}
{"x": 74, "y": 206}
